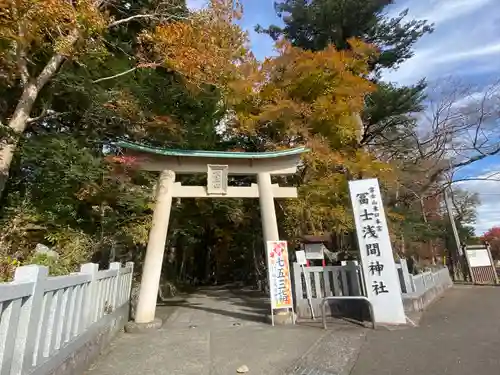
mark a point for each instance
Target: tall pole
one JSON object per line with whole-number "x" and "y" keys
{"x": 269, "y": 220}
{"x": 457, "y": 255}
{"x": 267, "y": 209}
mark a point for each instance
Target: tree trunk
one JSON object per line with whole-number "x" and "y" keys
{"x": 256, "y": 267}
{"x": 21, "y": 115}
{"x": 17, "y": 125}
{"x": 182, "y": 268}
{"x": 422, "y": 206}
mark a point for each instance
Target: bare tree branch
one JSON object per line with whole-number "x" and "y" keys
{"x": 22, "y": 63}
{"x": 139, "y": 66}
{"x": 158, "y": 14}
{"x": 116, "y": 75}
{"x": 46, "y": 114}
{"x": 131, "y": 18}
{"x": 475, "y": 179}
{"x": 460, "y": 130}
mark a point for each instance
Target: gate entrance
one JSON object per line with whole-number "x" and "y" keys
{"x": 218, "y": 165}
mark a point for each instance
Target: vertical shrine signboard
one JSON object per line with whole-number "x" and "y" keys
{"x": 280, "y": 283}
{"x": 217, "y": 179}
{"x": 381, "y": 277}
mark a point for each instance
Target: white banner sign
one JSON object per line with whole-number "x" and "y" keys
{"x": 280, "y": 281}
{"x": 379, "y": 269}
{"x": 301, "y": 257}
{"x": 479, "y": 257}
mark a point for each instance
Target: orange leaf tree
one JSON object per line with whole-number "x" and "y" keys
{"x": 205, "y": 49}
{"x": 492, "y": 236}
{"x": 310, "y": 98}
{"x": 37, "y": 36}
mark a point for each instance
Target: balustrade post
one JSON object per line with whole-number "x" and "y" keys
{"x": 89, "y": 303}
{"x": 412, "y": 282}
{"x": 130, "y": 279}
{"x": 26, "y": 344}
{"x": 406, "y": 275}
{"x": 116, "y": 284}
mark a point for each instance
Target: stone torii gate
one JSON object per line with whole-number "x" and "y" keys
{"x": 218, "y": 166}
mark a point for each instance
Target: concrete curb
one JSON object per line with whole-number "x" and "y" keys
{"x": 133, "y": 327}
{"x": 352, "y": 361}
{"x": 334, "y": 353}
{"x": 466, "y": 283}
{"x": 281, "y": 319}
{"x": 292, "y": 369}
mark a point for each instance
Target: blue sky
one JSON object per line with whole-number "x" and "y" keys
{"x": 465, "y": 45}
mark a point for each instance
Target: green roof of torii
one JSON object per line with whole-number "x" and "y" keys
{"x": 210, "y": 154}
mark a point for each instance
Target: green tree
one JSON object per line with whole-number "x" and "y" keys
{"x": 388, "y": 121}
{"x": 38, "y": 37}
{"x": 316, "y": 24}
{"x": 62, "y": 192}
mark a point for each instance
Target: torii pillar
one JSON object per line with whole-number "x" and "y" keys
{"x": 151, "y": 272}
{"x": 218, "y": 166}
{"x": 267, "y": 208}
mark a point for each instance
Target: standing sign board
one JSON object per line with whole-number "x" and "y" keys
{"x": 481, "y": 265}
{"x": 280, "y": 283}
{"x": 382, "y": 287}
{"x": 314, "y": 251}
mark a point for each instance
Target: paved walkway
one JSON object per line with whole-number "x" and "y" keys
{"x": 214, "y": 332}
{"x": 459, "y": 335}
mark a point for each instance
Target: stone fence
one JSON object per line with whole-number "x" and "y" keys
{"x": 59, "y": 325}
{"x": 347, "y": 280}
{"x": 424, "y": 288}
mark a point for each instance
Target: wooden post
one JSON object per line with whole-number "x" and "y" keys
{"x": 488, "y": 249}
{"x": 469, "y": 267}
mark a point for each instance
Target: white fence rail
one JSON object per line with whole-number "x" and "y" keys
{"x": 325, "y": 282}
{"x": 347, "y": 280}
{"x": 40, "y": 316}
{"x": 424, "y": 281}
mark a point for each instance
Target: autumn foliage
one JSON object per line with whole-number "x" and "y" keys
{"x": 206, "y": 48}
{"x": 492, "y": 236}
{"x": 34, "y": 27}
{"x": 310, "y": 98}
{"x": 77, "y": 75}
{"x": 37, "y": 36}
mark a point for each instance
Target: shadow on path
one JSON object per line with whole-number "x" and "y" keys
{"x": 233, "y": 302}
{"x": 232, "y": 314}
{"x": 211, "y": 332}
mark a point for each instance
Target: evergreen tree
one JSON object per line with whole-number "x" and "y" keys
{"x": 315, "y": 24}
